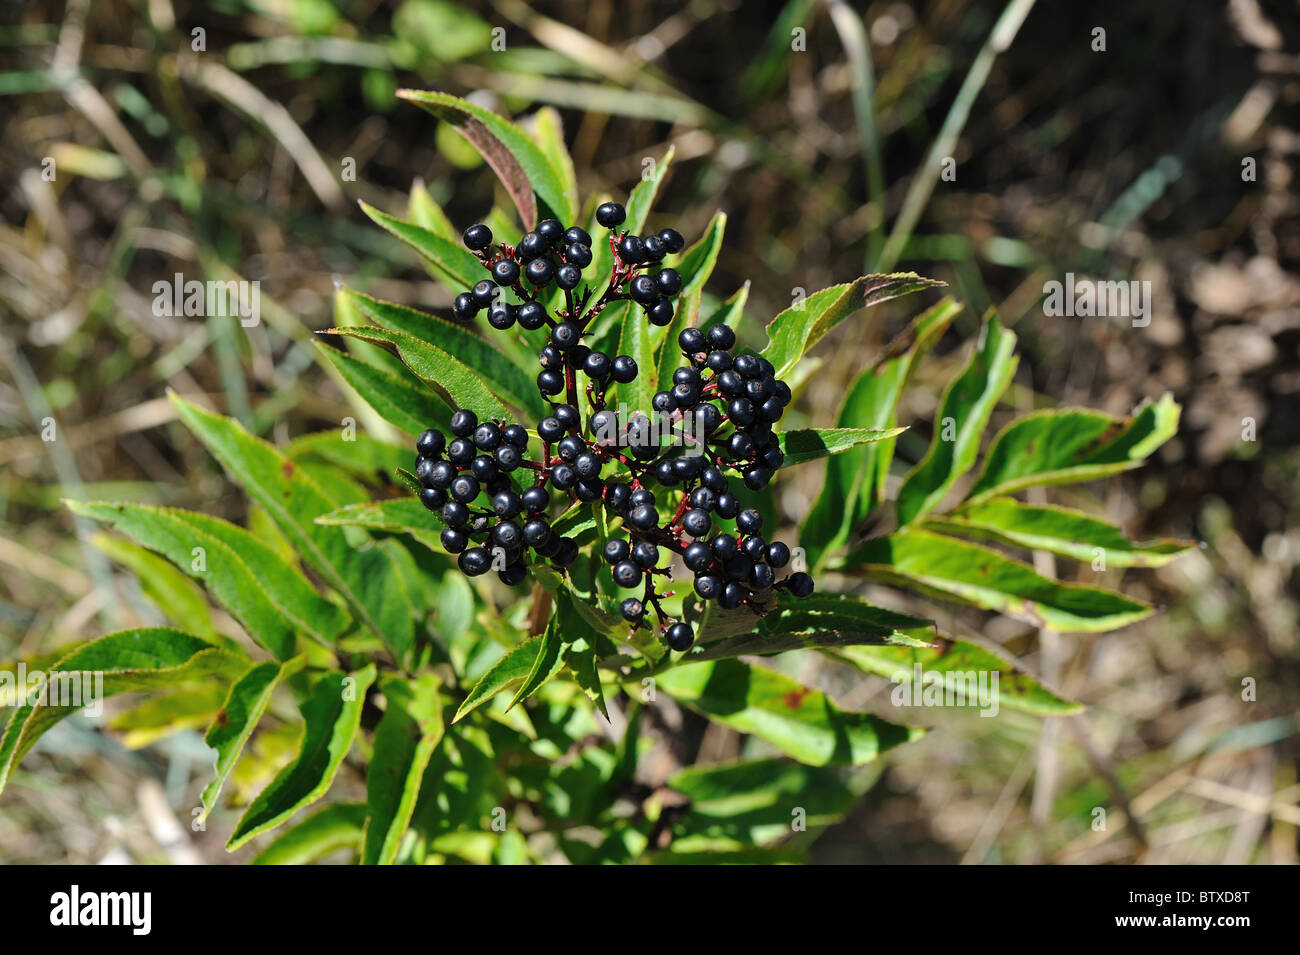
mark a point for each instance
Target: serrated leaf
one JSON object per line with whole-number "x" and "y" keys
{"x": 802, "y": 325}
{"x": 436, "y": 368}
{"x": 813, "y": 443}
{"x": 405, "y": 740}
{"x": 334, "y": 827}
{"x": 362, "y": 456}
{"x": 515, "y": 665}
{"x": 405, "y": 403}
{"x": 331, "y": 716}
{"x": 799, "y": 721}
{"x": 855, "y": 481}
{"x": 696, "y": 263}
{"x": 178, "y": 597}
{"x": 456, "y": 262}
{"x": 511, "y": 383}
{"x": 579, "y": 651}
{"x": 520, "y": 165}
{"x": 365, "y": 578}
{"x": 958, "y": 570}
{"x": 548, "y": 134}
{"x": 1016, "y": 688}
{"x": 1071, "y": 445}
{"x": 238, "y": 717}
{"x": 547, "y": 663}
{"x": 398, "y": 515}
{"x": 634, "y": 340}
{"x": 1058, "y": 530}
{"x": 749, "y": 802}
{"x": 270, "y": 597}
{"x": 160, "y": 716}
{"x": 822, "y": 621}
{"x": 140, "y": 659}
{"x": 967, "y": 403}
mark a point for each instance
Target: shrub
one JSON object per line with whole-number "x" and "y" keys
{"x": 502, "y": 716}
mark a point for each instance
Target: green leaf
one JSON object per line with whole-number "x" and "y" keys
{"x": 1059, "y": 530}
{"x": 968, "y": 573}
{"x": 158, "y": 717}
{"x": 180, "y": 598}
{"x": 1015, "y": 688}
{"x": 398, "y": 515}
{"x": 404, "y": 742}
{"x": 579, "y": 653}
{"x": 359, "y": 454}
{"x": 402, "y": 402}
{"x": 549, "y": 660}
{"x": 823, "y": 621}
{"x": 436, "y": 368}
{"x": 422, "y": 210}
{"x": 270, "y": 597}
{"x": 515, "y": 665}
{"x": 964, "y": 410}
{"x": 750, "y": 802}
{"x": 548, "y": 133}
{"x": 367, "y": 579}
{"x": 509, "y": 382}
{"x": 634, "y": 339}
{"x": 697, "y": 262}
{"x": 1071, "y": 445}
{"x": 855, "y": 481}
{"x": 814, "y": 443}
{"x": 331, "y": 716}
{"x": 803, "y": 324}
{"x": 238, "y": 717}
{"x": 449, "y": 258}
{"x": 141, "y": 659}
{"x": 521, "y": 166}
{"x": 795, "y": 719}
{"x": 334, "y": 827}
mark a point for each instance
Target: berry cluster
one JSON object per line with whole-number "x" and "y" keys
{"x": 718, "y": 417}
{"x": 480, "y": 461}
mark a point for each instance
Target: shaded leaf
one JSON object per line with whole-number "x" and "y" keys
{"x": 365, "y": 578}
{"x": 140, "y": 659}
{"x": 1058, "y": 530}
{"x": 404, "y": 742}
{"x": 331, "y": 716}
{"x": 404, "y": 403}
{"x": 802, "y": 325}
{"x": 512, "y": 384}
{"x": 238, "y": 717}
{"x": 436, "y": 368}
{"x": 968, "y": 573}
{"x": 813, "y": 443}
{"x": 334, "y": 827}
{"x": 855, "y": 481}
{"x": 448, "y": 257}
{"x": 1015, "y": 688}
{"x": 515, "y": 665}
{"x": 795, "y": 719}
{"x": 1071, "y": 445}
{"x": 967, "y": 403}
{"x": 520, "y": 165}
{"x": 270, "y": 597}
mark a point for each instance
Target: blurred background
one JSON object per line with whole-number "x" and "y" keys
{"x": 144, "y": 138}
